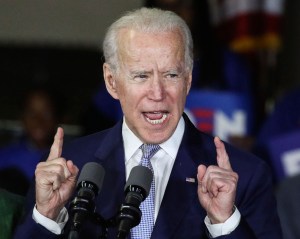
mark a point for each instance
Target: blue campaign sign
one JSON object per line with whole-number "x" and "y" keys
{"x": 284, "y": 151}
{"x": 220, "y": 113}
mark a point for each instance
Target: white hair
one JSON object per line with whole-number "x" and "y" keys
{"x": 146, "y": 20}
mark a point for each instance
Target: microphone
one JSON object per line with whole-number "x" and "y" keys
{"x": 89, "y": 184}
{"x": 136, "y": 190}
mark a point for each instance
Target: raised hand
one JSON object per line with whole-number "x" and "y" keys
{"x": 217, "y": 186}
{"x": 55, "y": 180}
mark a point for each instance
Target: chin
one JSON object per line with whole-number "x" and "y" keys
{"x": 156, "y": 137}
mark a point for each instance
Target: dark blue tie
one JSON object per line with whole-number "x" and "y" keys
{"x": 144, "y": 229}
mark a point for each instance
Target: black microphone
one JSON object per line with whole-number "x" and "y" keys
{"x": 89, "y": 184}
{"x": 136, "y": 190}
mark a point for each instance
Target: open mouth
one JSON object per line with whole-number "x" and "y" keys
{"x": 156, "y": 117}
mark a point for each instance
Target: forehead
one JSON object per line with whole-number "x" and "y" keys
{"x": 143, "y": 46}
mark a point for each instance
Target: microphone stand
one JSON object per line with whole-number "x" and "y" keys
{"x": 129, "y": 216}
{"x": 97, "y": 219}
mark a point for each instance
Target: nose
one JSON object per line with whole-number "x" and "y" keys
{"x": 156, "y": 90}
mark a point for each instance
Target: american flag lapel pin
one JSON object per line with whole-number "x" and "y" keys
{"x": 190, "y": 180}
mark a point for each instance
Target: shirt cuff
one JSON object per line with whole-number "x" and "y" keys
{"x": 54, "y": 226}
{"x": 225, "y": 228}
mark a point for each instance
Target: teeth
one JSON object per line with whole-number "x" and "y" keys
{"x": 157, "y": 121}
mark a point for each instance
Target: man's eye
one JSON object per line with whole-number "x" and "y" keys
{"x": 173, "y": 75}
{"x": 140, "y": 77}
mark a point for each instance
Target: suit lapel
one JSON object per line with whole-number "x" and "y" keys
{"x": 181, "y": 191}
{"x": 111, "y": 155}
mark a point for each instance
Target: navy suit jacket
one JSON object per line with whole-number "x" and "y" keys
{"x": 180, "y": 214}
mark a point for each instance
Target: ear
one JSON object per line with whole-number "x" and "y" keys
{"x": 110, "y": 81}
{"x": 188, "y": 83}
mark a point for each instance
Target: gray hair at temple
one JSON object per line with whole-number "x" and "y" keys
{"x": 146, "y": 20}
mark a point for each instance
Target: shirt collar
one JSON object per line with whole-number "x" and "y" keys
{"x": 132, "y": 142}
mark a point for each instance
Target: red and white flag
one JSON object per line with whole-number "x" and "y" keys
{"x": 247, "y": 25}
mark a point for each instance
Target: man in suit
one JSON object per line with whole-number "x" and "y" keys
{"x": 204, "y": 188}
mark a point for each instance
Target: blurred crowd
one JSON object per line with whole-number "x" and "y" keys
{"x": 236, "y": 50}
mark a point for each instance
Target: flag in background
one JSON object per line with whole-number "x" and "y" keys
{"x": 248, "y": 25}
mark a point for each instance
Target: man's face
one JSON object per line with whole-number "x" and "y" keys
{"x": 39, "y": 119}
{"x": 152, "y": 83}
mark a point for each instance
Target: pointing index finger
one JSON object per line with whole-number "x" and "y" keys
{"x": 56, "y": 148}
{"x": 222, "y": 156}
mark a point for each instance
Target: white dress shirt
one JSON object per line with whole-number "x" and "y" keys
{"x": 162, "y": 163}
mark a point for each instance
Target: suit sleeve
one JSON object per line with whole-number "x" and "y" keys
{"x": 257, "y": 205}
{"x": 27, "y": 228}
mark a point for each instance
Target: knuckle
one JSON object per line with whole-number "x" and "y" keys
{"x": 211, "y": 168}
{"x": 235, "y": 176}
{"x": 60, "y": 161}
{"x": 57, "y": 177}
{"x": 40, "y": 164}
{"x": 59, "y": 169}
{"x": 37, "y": 173}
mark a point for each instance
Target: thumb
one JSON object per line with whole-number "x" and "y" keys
{"x": 73, "y": 169}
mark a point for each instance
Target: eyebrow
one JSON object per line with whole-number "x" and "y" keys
{"x": 137, "y": 72}
{"x": 173, "y": 71}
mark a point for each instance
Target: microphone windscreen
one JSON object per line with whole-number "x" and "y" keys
{"x": 140, "y": 176}
{"x": 92, "y": 172}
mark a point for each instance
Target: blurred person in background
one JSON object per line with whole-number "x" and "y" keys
{"x": 288, "y": 198}
{"x": 284, "y": 119}
{"x": 11, "y": 210}
{"x": 40, "y": 116}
